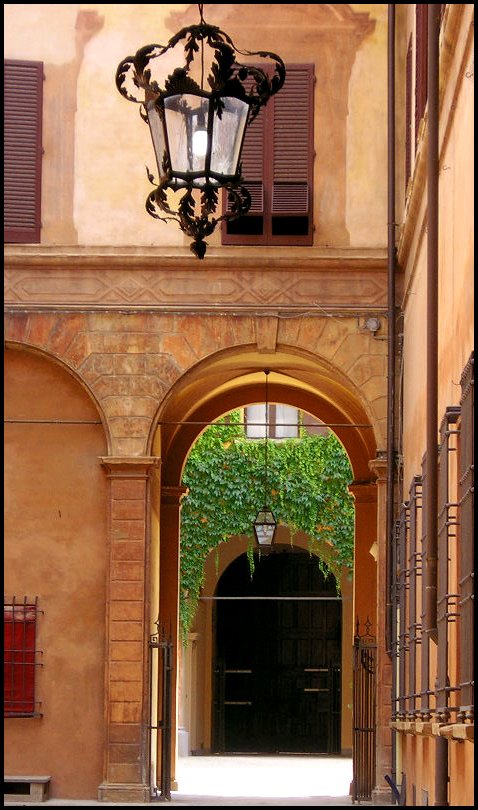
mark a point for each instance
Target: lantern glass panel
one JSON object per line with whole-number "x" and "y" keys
{"x": 157, "y": 135}
{"x": 228, "y": 132}
{"x": 186, "y": 118}
{"x": 264, "y": 527}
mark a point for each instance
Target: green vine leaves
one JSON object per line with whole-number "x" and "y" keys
{"x": 307, "y": 483}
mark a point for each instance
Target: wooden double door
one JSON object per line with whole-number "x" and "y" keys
{"x": 277, "y": 664}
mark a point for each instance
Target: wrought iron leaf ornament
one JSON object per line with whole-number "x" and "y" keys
{"x": 231, "y": 90}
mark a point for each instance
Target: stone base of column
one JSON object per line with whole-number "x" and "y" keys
{"x": 124, "y": 793}
{"x": 382, "y": 796}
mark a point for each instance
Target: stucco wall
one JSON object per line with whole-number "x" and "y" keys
{"x": 96, "y": 146}
{"x": 55, "y": 548}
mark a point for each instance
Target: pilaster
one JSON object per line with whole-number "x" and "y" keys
{"x": 126, "y": 777}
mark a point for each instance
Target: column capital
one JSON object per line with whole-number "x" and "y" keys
{"x": 378, "y": 465}
{"x": 363, "y": 491}
{"x": 172, "y": 496}
{"x": 129, "y": 466}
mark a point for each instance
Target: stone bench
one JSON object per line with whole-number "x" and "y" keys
{"x": 25, "y": 788}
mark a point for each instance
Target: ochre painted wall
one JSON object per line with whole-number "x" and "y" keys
{"x": 55, "y": 548}
{"x": 96, "y": 145}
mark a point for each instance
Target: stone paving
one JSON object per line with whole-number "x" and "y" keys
{"x": 256, "y": 781}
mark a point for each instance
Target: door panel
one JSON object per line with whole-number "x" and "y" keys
{"x": 278, "y": 660}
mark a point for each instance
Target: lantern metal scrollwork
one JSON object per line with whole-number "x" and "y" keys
{"x": 198, "y": 134}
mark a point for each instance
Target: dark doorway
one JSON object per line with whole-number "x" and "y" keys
{"x": 278, "y": 657}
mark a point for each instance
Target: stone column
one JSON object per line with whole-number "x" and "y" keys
{"x": 381, "y": 794}
{"x": 171, "y": 497}
{"x": 126, "y": 777}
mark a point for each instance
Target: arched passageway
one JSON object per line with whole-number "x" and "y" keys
{"x": 277, "y": 656}
{"x": 227, "y": 381}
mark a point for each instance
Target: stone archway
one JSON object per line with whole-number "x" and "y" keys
{"x": 233, "y": 379}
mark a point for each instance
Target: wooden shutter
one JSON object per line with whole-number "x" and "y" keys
{"x": 23, "y": 102}
{"x": 408, "y": 115}
{"x": 292, "y": 143}
{"x": 277, "y": 167}
{"x": 253, "y": 163}
{"x": 421, "y": 62}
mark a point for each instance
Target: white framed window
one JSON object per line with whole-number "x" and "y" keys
{"x": 283, "y": 421}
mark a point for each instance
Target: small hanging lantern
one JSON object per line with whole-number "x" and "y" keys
{"x": 198, "y": 133}
{"x": 265, "y": 524}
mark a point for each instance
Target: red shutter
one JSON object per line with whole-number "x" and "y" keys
{"x": 19, "y": 659}
{"x": 23, "y": 101}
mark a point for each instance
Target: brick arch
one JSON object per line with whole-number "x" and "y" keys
{"x": 231, "y": 380}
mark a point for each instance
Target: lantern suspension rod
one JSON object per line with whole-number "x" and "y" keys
{"x": 266, "y": 424}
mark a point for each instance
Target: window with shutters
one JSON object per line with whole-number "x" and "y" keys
{"x": 20, "y": 658}
{"x": 277, "y": 167}
{"x": 23, "y": 101}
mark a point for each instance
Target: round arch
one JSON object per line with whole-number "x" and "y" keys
{"x": 234, "y": 379}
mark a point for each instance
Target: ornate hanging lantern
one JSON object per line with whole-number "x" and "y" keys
{"x": 198, "y": 133}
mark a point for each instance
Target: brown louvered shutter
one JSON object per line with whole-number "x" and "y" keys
{"x": 23, "y": 102}
{"x": 291, "y": 183}
{"x": 421, "y": 63}
{"x": 408, "y": 115}
{"x": 277, "y": 167}
{"x": 253, "y": 163}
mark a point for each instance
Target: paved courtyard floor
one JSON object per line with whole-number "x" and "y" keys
{"x": 251, "y": 781}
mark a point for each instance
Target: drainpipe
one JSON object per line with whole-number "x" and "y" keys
{"x": 431, "y": 507}
{"x": 391, "y": 262}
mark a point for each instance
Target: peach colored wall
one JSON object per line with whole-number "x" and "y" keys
{"x": 96, "y": 145}
{"x": 55, "y": 548}
{"x": 456, "y": 290}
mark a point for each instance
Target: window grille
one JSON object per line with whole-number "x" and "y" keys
{"x": 425, "y": 691}
{"x": 415, "y": 568}
{"x": 466, "y": 582}
{"x": 20, "y": 658}
{"x": 447, "y": 598}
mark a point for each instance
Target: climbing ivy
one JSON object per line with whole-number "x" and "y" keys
{"x": 307, "y": 481}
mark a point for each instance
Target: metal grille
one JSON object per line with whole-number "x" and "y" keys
{"x": 447, "y": 600}
{"x": 20, "y": 658}
{"x": 415, "y": 627}
{"x": 161, "y": 667}
{"x": 364, "y": 714}
{"x": 466, "y": 584}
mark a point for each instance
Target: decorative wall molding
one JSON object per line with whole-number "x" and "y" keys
{"x": 98, "y": 279}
